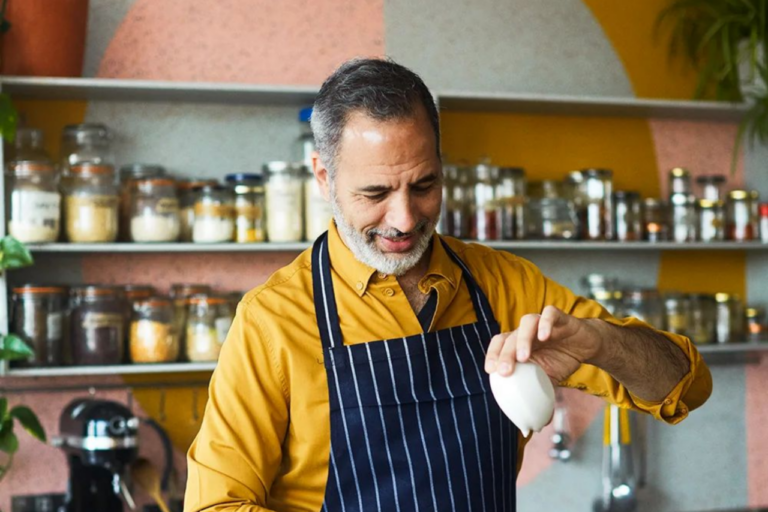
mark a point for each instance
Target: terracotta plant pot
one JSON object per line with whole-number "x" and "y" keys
{"x": 47, "y": 38}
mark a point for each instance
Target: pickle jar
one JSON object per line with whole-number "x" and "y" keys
{"x": 250, "y": 218}
{"x": 153, "y": 335}
{"x": 208, "y": 321}
{"x": 90, "y": 204}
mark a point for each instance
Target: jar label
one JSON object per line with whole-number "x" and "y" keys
{"x": 55, "y": 323}
{"x": 214, "y": 210}
{"x": 100, "y": 320}
{"x": 36, "y": 207}
{"x": 222, "y": 328}
{"x": 167, "y": 206}
{"x": 246, "y": 211}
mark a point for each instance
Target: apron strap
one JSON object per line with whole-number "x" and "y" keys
{"x": 479, "y": 300}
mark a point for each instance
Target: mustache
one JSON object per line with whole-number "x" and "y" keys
{"x": 396, "y": 233}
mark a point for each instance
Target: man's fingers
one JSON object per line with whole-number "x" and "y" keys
{"x": 494, "y": 350}
{"x": 549, "y": 319}
{"x": 508, "y": 354}
{"x": 526, "y": 334}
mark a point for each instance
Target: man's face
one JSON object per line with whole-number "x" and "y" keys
{"x": 387, "y": 190}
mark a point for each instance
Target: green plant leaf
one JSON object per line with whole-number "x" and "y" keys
{"x": 9, "y": 443}
{"x": 13, "y": 348}
{"x": 3, "y": 408}
{"x": 29, "y": 421}
{"x": 8, "y": 118}
{"x": 14, "y": 254}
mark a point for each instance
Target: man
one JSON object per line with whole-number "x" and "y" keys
{"x": 356, "y": 378}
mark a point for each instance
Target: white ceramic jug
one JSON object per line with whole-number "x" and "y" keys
{"x": 526, "y": 397}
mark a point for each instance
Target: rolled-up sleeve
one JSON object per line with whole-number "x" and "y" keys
{"x": 237, "y": 453}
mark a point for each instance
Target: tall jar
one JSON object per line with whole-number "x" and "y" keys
{"x": 34, "y": 204}
{"x": 486, "y": 208}
{"x": 702, "y": 318}
{"x": 457, "y": 201}
{"x": 741, "y": 224}
{"x": 188, "y": 190}
{"x": 134, "y": 293}
{"x": 730, "y": 318}
{"x": 87, "y": 143}
{"x": 711, "y": 221}
{"x": 317, "y": 211}
{"x": 596, "y": 204}
{"x": 180, "y": 295}
{"x": 250, "y": 219}
{"x": 37, "y": 317}
{"x": 627, "y": 216}
{"x": 29, "y": 146}
{"x": 285, "y": 197}
{"x": 90, "y": 204}
{"x": 510, "y": 192}
{"x": 208, "y": 323}
{"x": 655, "y": 220}
{"x": 677, "y": 308}
{"x": 153, "y": 335}
{"x": 680, "y": 181}
{"x": 214, "y": 215}
{"x": 683, "y": 218}
{"x": 154, "y": 210}
{"x": 711, "y": 187}
{"x": 644, "y": 304}
{"x": 97, "y": 324}
{"x": 128, "y": 174}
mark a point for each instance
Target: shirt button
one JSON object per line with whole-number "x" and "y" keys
{"x": 389, "y": 292}
{"x": 383, "y": 276}
{"x": 359, "y": 285}
{"x": 668, "y": 401}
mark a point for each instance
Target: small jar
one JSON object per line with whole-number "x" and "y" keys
{"x": 208, "y": 323}
{"x": 37, "y": 317}
{"x": 755, "y": 320}
{"x": 551, "y": 219}
{"x": 595, "y": 194}
{"x": 644, "y": 304}
{"x": 188, "y": 190}
{"x": 683, "y": 218}
{"x": 154, "y": 210}
{"x": 711, "y": 220}
{"x": 90, "y": 204}
{"x": 317, "y": 211}
{"x": 730, "y": 318}
{"x": 764, "y": 223}
{"x": 485, "y": 210}
{"x": 88, "y": 143}
{"x": 655, "y": 221}
{"x": 180, "y": 295}
{"x": 97, "y": 323}
{"x": 285, "y": 197}
{"x": 702, "y": 318}
{"x": 680, "y": 181}
{"x": 677, "y": 308}
{"x": 128, "y": 174}
{"x": 510, "y": 192}
{"x": 34, "y": 204}
{"x": 134, "y": 293}
{"x": 29, "y": 146}
{"x": 214, "y": 215}
{"x": 458, "y": 195}
{"x": 153, "y": 337}
{"x": 741, "y": 225}
{"x": 250, "y": 221}
{"x": 627, "y": 216}
{"x": 711, "y": 187}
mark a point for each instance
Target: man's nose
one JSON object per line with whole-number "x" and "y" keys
{"x": 401, "y": 213}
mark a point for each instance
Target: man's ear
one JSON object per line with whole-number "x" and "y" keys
{"x": 322, "y": 175}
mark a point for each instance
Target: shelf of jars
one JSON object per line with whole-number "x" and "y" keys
{"x": 236, "y": 93}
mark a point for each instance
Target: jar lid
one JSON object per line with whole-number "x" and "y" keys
{"x": 153, "y": 301}
{"x": 136, "y": 171}
{"x": 764, "y": 209}
{"x": 29, "y": 168}
{"x": 714, "y": 179}
{"x": 754, "y": 312}
{"x": 238, "y": 177}
{"x": 627, "y": 195}
{"x": 207, "y": 299}
{"x": 737, "y": 194}
{"x": 305, "y": 114}
{"x": 86, "y": 132}
{"x": 138, "y": 291}
{"x": 726, "y": 297}
{"x": 153, "y": 182}
{"x": 706, "y": 204}
{"x": 279, "y": 167}
{"x": 95, "y": 290}
{"x": 597, "y": 173}
{"x": 679, "y": 172}
{"x": 89, "y": 169}
{"x": 32, "y": 289}
{"x": 183, "y": 290}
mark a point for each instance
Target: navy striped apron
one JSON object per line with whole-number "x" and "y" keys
{"x": 413, "y": 423}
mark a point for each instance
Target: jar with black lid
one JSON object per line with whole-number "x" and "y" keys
{"x": 97, "y": 325}
{"x": 37, "y": 317}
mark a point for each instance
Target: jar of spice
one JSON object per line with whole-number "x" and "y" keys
{"x": 741, "y": 225}
{"x": 679, "y": 181}
{"x": 188, "y": 190}
{"x": 250, "y": 221}
{"x": 551, "y": 219}
{"x": 595, "y": 199}
{"x": 29, "y": 147}
{"x": 510, "y": 192}
{"x": 37, "y": 317}
{"x": 90, "y": 204}
{"x": 627, "y": 216}
{"x": 97, "y": 323}
{"x": 128, "y": 174}
{"x": 154, "y": 210}
{"x": 702, "y": 318}
{"x": 285, "y": 197}
{"x": 214, "y": 215}
{"x": 486, "y": 208}
{"x": 644, "y": 304}
{"x": 317, "y": 211}
{"x": 677, "y": 307}
{"x": 153, "y": 337}
{"x": 755, "y": 328}
{"x": 457, "y": 200}
{"x": 730, "y": 318}
{"x": 655, "y": 223}
{"x": 711, "y": 187}
{"x": 180, "y": 295}
{"x": 684, "y": 218}
{"x": 134, "y": 293}
{"x": 88, "y": 143}
{"x": 34, "y": 202}
{"x": 208, "y": 323}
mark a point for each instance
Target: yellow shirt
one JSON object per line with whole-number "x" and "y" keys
{"x": 264, "y": 441}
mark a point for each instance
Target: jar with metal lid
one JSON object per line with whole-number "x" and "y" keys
{"x": 97, "y": 324}
{"x": 129, "y": 173}
{"x": 763, "y": 211}
{"x": 627, "y": 216}
{"x": 510, "y": 192}
{"x": 486, "y": 208}
{"x": 37, "y": 317}
{"x": 208, "y": 322}
{"x": 655, "y": 220}
{"x": 711, "y": 220}
{"x": 154, "y": 210}
{"x": 87, "y": 143}
{"x": 644, "y": 304}
{"x": 29, "y": 146}
{"x": 34, "y": 202}
{"x": 595, "y": 204}
{"x": 741, "y": 226}
{"x": 551, "y": 219}
{"x": 285, "y": 198}
{"x": 458, "y": 196}
{"x": 702, "y": 318}
{"x": 187, "y": 196}
{"x": 90, "y": 204}
{"x": 250, "y": 221}
{"x": 711, "y": 187}
{"x": 180, "y": 295}
{"x": 153, "y": 337}
{"x": 755, "y": 320}
{"x": 680, "y": 181}
{"x": 677, "y": 308}
{"x": 730, "y": 318}
{"x": 683, "y": 218}
{"x": 214, "y": 215}
{"x": 317, "y": 211}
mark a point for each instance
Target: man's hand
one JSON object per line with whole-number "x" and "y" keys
{"x": 556, "y": 341}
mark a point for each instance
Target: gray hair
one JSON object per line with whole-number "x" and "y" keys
{"x": 380, "y": 88}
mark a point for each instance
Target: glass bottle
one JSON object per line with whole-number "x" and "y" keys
{"x": 285, "y": 198}
{"x": 214, "y": 215}
{"x": 627, "y": 216}
{"x": 484, "y": 225}
{"x": 154, "y": 210}
{"x": 153, "y": 336}
{"x": 711, "y": 220}
{"x": 208, "y": 323}
{"x": 87, "y": 143}
{"x": 90, "y": 204}
{"x": 510, "y": 193}
{"x": 34, "y": 202}
{"x": 250, "y": 221}
{"x": 37, "y": 317}
{"x": 305, "y": 142}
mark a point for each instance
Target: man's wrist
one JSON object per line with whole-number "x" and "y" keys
{"x": 596, "y": 333}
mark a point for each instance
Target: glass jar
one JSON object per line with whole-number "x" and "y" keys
{"x": 741, "y": 225}
{"x": 29, "y": 146}
{"x": 683, "y": 218}
{"x": 188, "y": 190}
{"x": 153, "y": 337}
{"x": 510, "y": 192}
{"x": 285, "y": 197}
{"x": 764, "y": 222}
{"x": 627, "y": 216}
{"x": 730, "y": 318}
{"x": 547, "y": 189}
{"x": 655, "y": 223}
{"x": 458, "y": 195}
{"x": 486, "y": 208}
{"x": 711, "y": 187}
{"x": 129, "y": 173}
{"x": 180, "y": 295}
{"x": 90, "y": 204}
{"x": 97, "y": 323}
{"x": 754, "y": 212}
{"x": 755, "y": 320}
{"x": 305, "y": 142}
{"x": 679, "y": 181}
{"x": 598, "y": 283}
{"x": 250, "y": 221}
{"x": 88, "y": 143}
{"x": 702, "y": 318}
{"x": 644, "y": 304}
{"x": 34, "y": 202}
{"x": 551, "y": 219}
{"x": 711, "y": 220}
{"x": 134, "y": 293}
{"x": 595, "y": 204}
{"x": 154, "y": 210}
{"x": 317, "y": 211}
{"x": 208, "y": 323}
{"x": 677, "y": 307}
{"x": 214, "y": 215}
{"x": 37, "y": 317}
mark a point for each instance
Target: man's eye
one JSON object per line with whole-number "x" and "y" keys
{"x": 423, "y": 188}
{"x": 377, "y": 197}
